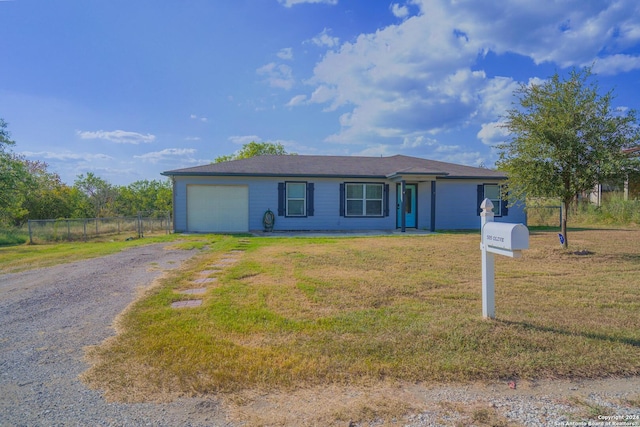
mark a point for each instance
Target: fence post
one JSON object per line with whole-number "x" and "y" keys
{"x": 560, "y": 221}
{"x": 30, "y": 234}
{"x": 84, "y": 230}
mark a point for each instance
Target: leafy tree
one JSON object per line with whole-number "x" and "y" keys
{"x": 145, "y": 196}
{"x": 47, "y": 196}
{"x": 14, "y": 180}
{"x": 29, "y": 190}
{"x": 5, "y": 137}
{"x": 100, "y": 195}
{"x": 253, "y": 149}
{"x": 565, "y": 139}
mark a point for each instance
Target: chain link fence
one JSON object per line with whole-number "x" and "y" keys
{"x": 547, "y": 216}
{"x": 53, "y": 230}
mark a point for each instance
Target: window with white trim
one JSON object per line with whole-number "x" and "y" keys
{"x": 296, "y": 193}
{"x": 364, "y": 199}
{"x": 493, "y": 192}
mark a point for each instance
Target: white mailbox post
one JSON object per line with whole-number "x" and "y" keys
{"x": 497, "y": 238}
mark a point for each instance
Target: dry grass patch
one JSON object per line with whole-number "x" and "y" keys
{"x": 465, "y": 414}
{"x": 298, "y": 313}
{"x": 323, "y": 406}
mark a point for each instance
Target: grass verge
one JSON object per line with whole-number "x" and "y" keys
{"x": 25, "y": 257}
{"x": 12, "y": 236}
{"x": 302, "y": 312}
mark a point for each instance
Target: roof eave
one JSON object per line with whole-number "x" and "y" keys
{"x": 271, "y": 175}
{"x": 498, "y": 177}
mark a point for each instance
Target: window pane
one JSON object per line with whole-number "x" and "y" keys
{"x": 354, "y": 191}
{"x": 354, "y": 207}
{"x": 497, "y": 207}
{"x": 492, "y": 192}
{"x": 374, "y": 208}
{"x": 374, "y": 191}
{"x": 295, "y": 208}
{"x": 296, "y": 190}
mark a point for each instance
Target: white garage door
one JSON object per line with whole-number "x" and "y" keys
{"x": 218, "y": 208}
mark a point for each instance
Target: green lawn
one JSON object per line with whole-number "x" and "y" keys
{"x": 301, "y": 312}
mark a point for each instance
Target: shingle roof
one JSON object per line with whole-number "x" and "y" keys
{"x": 336, "y": 166}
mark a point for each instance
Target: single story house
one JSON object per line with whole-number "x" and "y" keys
{"x": 333, "y": 193}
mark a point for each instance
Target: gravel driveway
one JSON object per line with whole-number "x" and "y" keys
{"x": 48, "y": 315}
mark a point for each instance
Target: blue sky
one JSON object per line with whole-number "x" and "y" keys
{"x": 128, "y": 89}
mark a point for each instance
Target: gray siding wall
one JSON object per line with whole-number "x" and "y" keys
{"x": 424, "y": 205}
{"x": 263, "y": 195}
{"x": 455, "y": 204}
{"x": 327, "y": 209}
{"x": 456, "y": 208}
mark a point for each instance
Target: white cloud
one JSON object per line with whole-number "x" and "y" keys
{"x": 286, "y": 53}
{"x": 118, "y": 136}
{"x": 417, "y": 141}
{"x": 193, "y": 138}
{"x": 244, "y": 139}
{"x": 616, "y": 64}
{"x": 289, "y": 3}
{"x": 277, "y": 75}
{"x": 496, "y": 96}
{"x": 325, "y": 94}
{"x": 419, "y": 78}
{"x": 200, "y": 119}
{"x": 493, "y": 133}
{"x": 462, "y": 156}
{"x": 65, "y": 156}
{"x": 290, "y": 146}
{"x": 325, "y": 39}
{"x": 571, "y": 32}
{"x": 297, "y": 100}
{"x": 399, "y": 11}
{"x": 166, "y": 154}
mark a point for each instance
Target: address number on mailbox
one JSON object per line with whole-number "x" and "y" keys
{"x": 503, "y": 238}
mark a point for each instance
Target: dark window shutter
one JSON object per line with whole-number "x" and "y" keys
{"x": 504, "y": 208}
{"x": 480, "y": 198}
{"x": 281, "y": 199}
{"x": 310, "y": 191}
{"x": 386, "y": 200}
{"x": 341, "y": 199}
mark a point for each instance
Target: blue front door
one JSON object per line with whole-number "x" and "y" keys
{"x": 410, "y": 194}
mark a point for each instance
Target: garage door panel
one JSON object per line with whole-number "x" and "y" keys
{"x": 218, "y": 208}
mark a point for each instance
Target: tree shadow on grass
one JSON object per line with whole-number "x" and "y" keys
{"x": 591, "y": 335}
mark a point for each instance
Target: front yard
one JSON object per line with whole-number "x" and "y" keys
{"x": 285, "y": 313}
